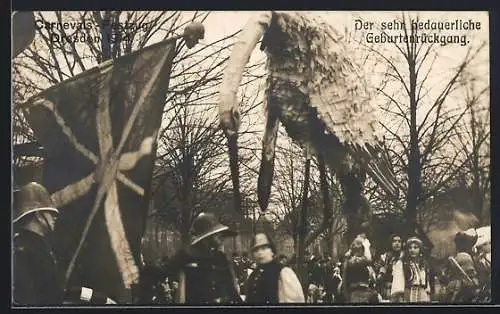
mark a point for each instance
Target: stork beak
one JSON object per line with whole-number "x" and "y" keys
{"x": 229, "y": 114}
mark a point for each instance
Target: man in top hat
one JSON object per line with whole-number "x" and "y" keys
{"x": 205, "y": 274}
{"x": 271, "y": 282}
{"x": 37, "y": 280}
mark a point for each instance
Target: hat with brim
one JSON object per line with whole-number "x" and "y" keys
{"x": 32, "y": 198}
{"x": 262, "y": 240}
{"x": 206, "y": 225}
{"x": 34, "y": 210}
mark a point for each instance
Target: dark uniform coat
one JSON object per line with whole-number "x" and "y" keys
{"x": 37, "y": 280}
{"x": 204, "y": 277}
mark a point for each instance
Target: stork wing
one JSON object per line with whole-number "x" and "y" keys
{"x": 339, "y": 92}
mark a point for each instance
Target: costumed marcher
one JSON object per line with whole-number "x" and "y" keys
{"x": 37, "y": 277}
{"x": 477, "y": 243}
{"x": 357, "y": 275}
{"x": 205, "y": 275}
{"x": 271, "y": 282}
{"x": 482, "y": 261}
{"x": 38, "y": 280}
{"x": 416, "y": 272}
{"x": 369, "y": 252}
{"x": 385, "y": 267}
{"x": 464, "y": 284}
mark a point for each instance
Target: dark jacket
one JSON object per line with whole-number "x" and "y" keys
{"x": 37, "y": 279}
{"x": 262, "y": 285}
{"x": 209, "y": 277}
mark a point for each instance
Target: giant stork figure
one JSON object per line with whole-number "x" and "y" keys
{"x": 320, "y": 97}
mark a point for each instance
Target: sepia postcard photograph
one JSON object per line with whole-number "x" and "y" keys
{"x": 250, "y": 158}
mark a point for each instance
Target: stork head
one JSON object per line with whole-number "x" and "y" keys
{"x": 229, "y": 112}
{"x": 252, "y": 32}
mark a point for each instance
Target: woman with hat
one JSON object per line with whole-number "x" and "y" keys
{"x": 204, "y": 273}
{"x": 37, "y": 280}
{"x": 416, "y": 272}
{"x": 271, "y": 282}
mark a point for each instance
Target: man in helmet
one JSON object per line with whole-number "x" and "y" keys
{"x": 205, "y": 274}
{"x": 37, "y": 280}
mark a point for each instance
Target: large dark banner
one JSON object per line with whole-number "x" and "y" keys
{"x": 99, "y": 132}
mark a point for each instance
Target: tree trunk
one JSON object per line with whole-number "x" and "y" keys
{"x": 327, "y": 205}
{"x": 412, "y": 197}
{"x": 302, "y": 222}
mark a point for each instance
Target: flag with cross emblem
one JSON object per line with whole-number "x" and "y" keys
{"x": 99, "y": 133}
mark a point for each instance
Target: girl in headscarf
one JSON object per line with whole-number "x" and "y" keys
{"x": 416, "y": 272}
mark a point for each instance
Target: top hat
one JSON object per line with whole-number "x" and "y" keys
{"x": 23, "y": 31}
{"x": 31, "y": 198}
{"x": 260, "y": 240}
{"x": 206, "y": 225}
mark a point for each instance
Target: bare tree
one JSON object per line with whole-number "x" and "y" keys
{"x": 60, "y": 53}
{"x": 422, "y": 120}
{"x": 307, "y": 201}
{"x": 473, "y": 142}
{"x": 191, "y": 153}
